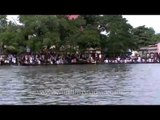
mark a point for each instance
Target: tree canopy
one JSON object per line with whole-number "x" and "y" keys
{"x": 43, "y": 31}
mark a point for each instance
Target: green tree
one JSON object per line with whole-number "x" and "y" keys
{"x": 3, "y": 23}
{"x": 90, "y": 37}
{"x": 40, "y": 30}
{"x": 143, "y": 36}
{"x": 119, "y": 38}
{"x": 156, "y": 38}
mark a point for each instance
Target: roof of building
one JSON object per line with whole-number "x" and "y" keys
{"x": 72, "y": 17}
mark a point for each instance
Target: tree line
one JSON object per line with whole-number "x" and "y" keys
{"x": 45, "y": 31}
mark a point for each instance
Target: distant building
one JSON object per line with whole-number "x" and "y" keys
{"x": 150, "y": 49}
{"x": 158, "y": 48}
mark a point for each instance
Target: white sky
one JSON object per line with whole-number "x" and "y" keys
{"x": 147, "y": 20}
{"x": 13, "y": 18}
{"x": 135, "y": 20}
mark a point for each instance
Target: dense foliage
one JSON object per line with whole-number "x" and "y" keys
{"x": 45, "y": 31}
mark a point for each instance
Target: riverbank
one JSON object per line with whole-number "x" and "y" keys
{"x": 74, "y": 59}
{"x": 75, "y": 64}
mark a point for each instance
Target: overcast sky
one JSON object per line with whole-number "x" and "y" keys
{"x": 135, "y": 20}
{"x": 148, "y": 20}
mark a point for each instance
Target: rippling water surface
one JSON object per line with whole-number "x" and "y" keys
{"x": 80, "y": 84}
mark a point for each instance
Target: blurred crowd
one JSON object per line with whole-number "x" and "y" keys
{"x": 54, "y": 58}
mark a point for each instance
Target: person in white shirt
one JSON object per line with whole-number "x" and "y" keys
{"x": 14, "y": 60}
{"x": 133, "y": 61}
{"x": 106, "y": 61}
{"x": 6, "y": 61}
{"x": 100, "y": 56}
{"x": 31, "y": 60}
{"x": 39, "y": 62}
{"x": 118, "y": 59}
{"x": 139, "y": 59}
{"x": 57, "y": 62}
{"x": 125, "y": 60}
{"x": 143, "y": 60}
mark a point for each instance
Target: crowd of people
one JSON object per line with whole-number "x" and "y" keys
{"x": 48, "y": 58}
{"x": 54, "y": 58}
{"x": 148, "y": 58}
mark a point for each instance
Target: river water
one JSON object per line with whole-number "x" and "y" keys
{"x": 119, "y": 84}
